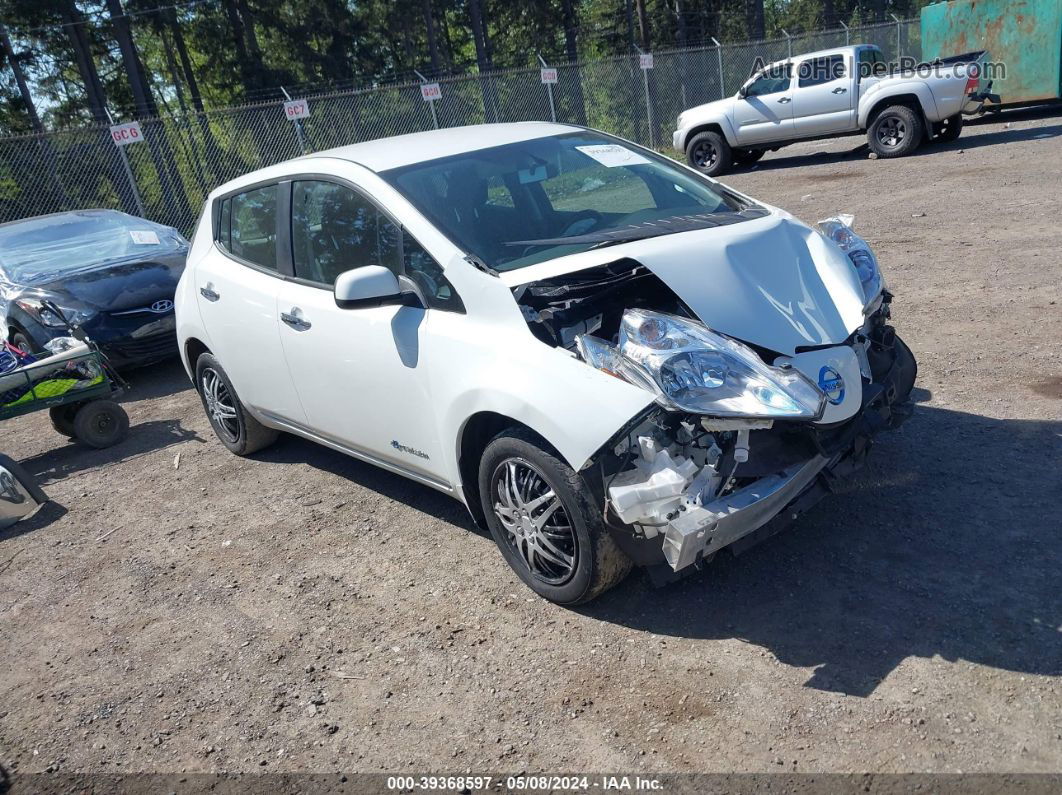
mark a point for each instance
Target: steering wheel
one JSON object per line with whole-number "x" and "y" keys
{"x": 578, "y": 225}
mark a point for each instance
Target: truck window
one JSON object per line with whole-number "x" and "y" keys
{"x": 871, "y": 63}
{"x": 772, "y": 81}
{"x": 816, "y": 71}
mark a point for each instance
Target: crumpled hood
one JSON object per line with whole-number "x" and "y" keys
{"x": 772, "y": 281}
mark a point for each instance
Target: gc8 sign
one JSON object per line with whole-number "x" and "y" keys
{"x": 430, "y": 91}
{"x": 549, "y": 76}
{"x": 125, "y": 134}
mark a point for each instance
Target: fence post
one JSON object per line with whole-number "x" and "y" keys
{"x": 297, "y": 123}
{"x": 788, "y": 41}
{"x": 719, "y": 60}
{"x": 549, "y": 91}
{"x": 898, "y": 51}
{"x": 128, "y": 172}
{"x": 648, "y": 101}
{"x": 431, "y": 103}
{"x": 847, "y": 35}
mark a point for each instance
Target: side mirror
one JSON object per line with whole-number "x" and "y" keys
{"x": 372, "y": 285}
{"x": 743, "y": 92}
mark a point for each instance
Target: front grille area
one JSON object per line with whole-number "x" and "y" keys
{"x": 157, "y": 346}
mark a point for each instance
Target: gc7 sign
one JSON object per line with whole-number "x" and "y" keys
{"x": 296, "y": 109}
{"x": 430, "y": 92}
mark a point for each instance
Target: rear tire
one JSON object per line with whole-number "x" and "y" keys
{"x": 949, "y": 129}
{"x": 559, "y": 547}
{"x": 101, "y": 423}
{"x": 746, "y": 157}
{"x": 63, "y": 418}
{"x": 895, "y": 132}
{"x": 235, "y": 428}
{"x": 709, "y": 153}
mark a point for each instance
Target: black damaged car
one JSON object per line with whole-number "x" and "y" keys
{"x": 111, "y": 273}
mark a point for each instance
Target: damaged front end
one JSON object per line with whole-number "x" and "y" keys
{"x": 741, "y": 439}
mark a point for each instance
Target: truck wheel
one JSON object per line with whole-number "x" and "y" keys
{"x": 895, "y": 132}
{"x": 950, "y": 128}
{"x": 746, "y": 157}
{"x": 101, "y": 423}
{"x": 709, "y": 153}
{"x": 241, "y": 433}
{"x": 545, "y": 520}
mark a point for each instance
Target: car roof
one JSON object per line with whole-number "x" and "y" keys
{"x": 51, "y": 218}
{"x": 403, "y": 150}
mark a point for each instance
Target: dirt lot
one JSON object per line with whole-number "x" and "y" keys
{"x": 303, "y": 611}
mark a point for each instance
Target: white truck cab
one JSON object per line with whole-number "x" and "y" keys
{"x": 842, "y": 91}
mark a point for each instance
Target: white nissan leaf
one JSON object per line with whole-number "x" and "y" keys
{"x": 609, "y": 358}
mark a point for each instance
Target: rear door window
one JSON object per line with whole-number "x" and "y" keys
{"x": 253, "y": 226}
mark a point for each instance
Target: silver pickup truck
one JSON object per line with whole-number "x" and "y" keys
{"x": 844, "y": 91}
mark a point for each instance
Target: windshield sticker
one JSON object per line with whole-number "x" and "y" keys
{"x": 613, "y": 155}
{"x": 144, "y": 237}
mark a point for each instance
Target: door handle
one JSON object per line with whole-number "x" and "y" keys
{"x": 294, "y": 320}
{"x": 840, "y": 90}
{"x": 784, "y": 100}
{"x": 208, "y": 293}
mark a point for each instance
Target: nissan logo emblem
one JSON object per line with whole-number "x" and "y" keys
{"x": 162, "y": 306}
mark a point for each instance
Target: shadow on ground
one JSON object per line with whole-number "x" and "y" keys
{"x": 156, "y": 380}
{"x": 947, "y": 545}
{"x": 68, "y": 458}
{"x": 295, "y": 450}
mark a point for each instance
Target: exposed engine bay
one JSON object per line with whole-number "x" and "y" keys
{"x": 738, "y": 434}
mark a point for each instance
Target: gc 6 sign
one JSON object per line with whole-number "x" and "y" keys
{"x": 125, "y": 134}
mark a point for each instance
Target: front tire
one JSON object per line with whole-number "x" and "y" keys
{"x": 543, "y": 518}
{"x": 895, "y": 132}
{"x": 241, "y": 433}
{"x": 24, "y": 343}
{"x": 709, "y": 153}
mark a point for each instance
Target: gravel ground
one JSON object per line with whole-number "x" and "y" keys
{"x": 302, "y": 611}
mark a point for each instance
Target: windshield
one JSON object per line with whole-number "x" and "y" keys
{"x": 41, "y": 249}
{"x": 516, "y": 205}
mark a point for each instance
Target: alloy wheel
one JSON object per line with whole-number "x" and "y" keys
{"x": 219, "y": 405}
{"x": 891, "y": 132}
{"x": 705, "y": 155}
{"x": 536, "y": 524}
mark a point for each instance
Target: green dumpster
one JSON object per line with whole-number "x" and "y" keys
{"x": 1024, "y": 35}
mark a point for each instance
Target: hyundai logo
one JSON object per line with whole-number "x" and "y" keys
{"x": 831, "y": 383}
{"x": 165, "y": 305}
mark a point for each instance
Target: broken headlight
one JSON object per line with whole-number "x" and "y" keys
{"x": 839, "y": 230}
{"x": 695, "y": 370}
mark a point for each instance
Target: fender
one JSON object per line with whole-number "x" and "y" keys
{"x": 694, "y": 121}
{"x": 577, "y": 412}
{"x": 886, "y": 90}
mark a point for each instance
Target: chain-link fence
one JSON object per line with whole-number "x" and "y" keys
{"x": 167, "y": 175}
